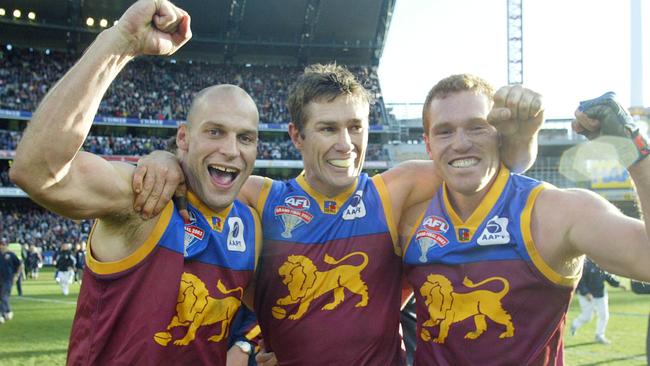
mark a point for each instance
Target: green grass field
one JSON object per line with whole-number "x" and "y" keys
{"x": 38, "y": 334}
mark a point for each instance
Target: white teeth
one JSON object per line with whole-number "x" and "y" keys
{"x": 464, "y": 163}
{"x": 342, "y": 163}
{"x": 224, "y": 169}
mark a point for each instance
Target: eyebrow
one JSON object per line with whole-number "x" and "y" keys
{"x": 210, "y": 123}
{"x": 333, "y": 123}
{"x": 469, "y": 120}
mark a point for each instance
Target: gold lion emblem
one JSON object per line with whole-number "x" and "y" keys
{"x": 195, "y": 308}
{"x": 306, "y": 283}
{"x": 446, "y": 307}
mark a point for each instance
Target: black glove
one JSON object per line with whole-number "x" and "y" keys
{"x": 616, "y": 121}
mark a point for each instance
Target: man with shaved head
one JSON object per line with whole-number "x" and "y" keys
{"x": 161, "y": 289}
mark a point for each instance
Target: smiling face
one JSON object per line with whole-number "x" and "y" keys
{"x": 463, "y": 144}
{"x": 333, "y": 142}
{"x": 218, "y": 145}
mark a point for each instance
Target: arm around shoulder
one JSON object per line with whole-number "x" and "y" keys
{"x": 410, "y": 183}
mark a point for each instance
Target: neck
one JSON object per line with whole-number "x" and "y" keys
{"x": 328, "y": 190}
{"x": 466, "y": 204}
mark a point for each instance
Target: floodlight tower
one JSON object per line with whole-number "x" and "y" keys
{"x": 515, "y": 43}
{"x": 636, "y": 55}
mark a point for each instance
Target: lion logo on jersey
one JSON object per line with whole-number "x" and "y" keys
{"x": 446, "y": 307}
{"x": 195, "y": 308}
{"x": 306, "y": 283}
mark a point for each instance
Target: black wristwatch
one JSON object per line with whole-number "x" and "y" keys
{"x": 246, "y": 347}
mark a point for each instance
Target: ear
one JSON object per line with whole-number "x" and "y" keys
{"x": 295, "y": 136}
{"x": 182, "y": 137}
{"x": 425, "y": 135}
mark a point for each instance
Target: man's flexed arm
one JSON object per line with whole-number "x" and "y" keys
{"x": 48, "y": 165}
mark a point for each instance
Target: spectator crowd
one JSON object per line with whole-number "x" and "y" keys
{"x": 32, "y": 225}
{"x": 159, "y": 89}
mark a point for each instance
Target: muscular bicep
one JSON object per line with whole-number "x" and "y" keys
{"x": 616, "y": 242}
{"x": 92, "y": 188}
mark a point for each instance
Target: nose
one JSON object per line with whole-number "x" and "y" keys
{"x": 461, "y": 141}
{"x": 228, "y": 146}
{"x": 344, "y": 142}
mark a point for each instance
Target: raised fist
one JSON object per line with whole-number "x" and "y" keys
{"x": 154, "y": 27}
{"x": 517, "y": 111}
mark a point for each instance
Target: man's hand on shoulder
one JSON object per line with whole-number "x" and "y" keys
{"x": 156, "y": 179}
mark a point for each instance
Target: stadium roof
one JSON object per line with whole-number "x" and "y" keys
{"x": 271, "y": 31}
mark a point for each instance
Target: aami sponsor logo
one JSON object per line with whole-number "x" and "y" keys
{"x": 495, "y": 232}
{"x": 435, "y": 223}
{"x": 356, "y": 209}
{"x": 297, "y": 202}
{"x": 236, "y": 235}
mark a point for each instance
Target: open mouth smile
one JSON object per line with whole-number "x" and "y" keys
{"x": 223, "y": 176}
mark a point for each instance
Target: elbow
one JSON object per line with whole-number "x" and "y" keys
{"x": 24, "y": 177}
{"x": 19, "y": 175}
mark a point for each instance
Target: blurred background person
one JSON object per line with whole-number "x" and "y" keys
{"x": 593, "y": 298}
{"x": 34, "y": 262}
{"x": 80, "y": 257}
{"x": 10, "y": 268}
{"x": 65, "y": 265}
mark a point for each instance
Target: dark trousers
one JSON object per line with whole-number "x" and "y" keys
{"x": 5, "y": 291}
{"x": 19, "y": 285}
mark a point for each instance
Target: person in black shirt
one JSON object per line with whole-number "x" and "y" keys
{"x": 80, "y": 257}
{"x": 593, "y": 298}
{"x": 10, "y": 267}
{"x": 34, "y": 262}
{"x": 65, "y": 264}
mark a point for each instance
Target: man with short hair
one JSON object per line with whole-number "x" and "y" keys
{"x": 493, "y": 256}
{"x": 593, "y": 299}
{"x": 161, "y": 289}
{"x": 65, "y": 263}
{"x": 331, "y": 262}
{"x": 10, "y": 268}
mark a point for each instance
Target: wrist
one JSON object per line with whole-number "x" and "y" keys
{"x": 121, "y": 43}
{"x": 245, "y": 347}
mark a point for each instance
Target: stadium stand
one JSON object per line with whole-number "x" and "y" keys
{"x": 158, "y": 89}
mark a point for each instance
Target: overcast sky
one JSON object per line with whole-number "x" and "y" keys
{"x": 573, "y": 49}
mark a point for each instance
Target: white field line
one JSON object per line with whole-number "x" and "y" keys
{"x": 38, "y": 299}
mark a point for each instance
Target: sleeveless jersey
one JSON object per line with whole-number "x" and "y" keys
{"x": 328, "y": 286}
{"x": 171, "y": 302}
{"x": 484, "y": 295}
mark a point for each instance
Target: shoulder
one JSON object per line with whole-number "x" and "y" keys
{"x": 253, "y": 189}
{"x": 568, "y": 201}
